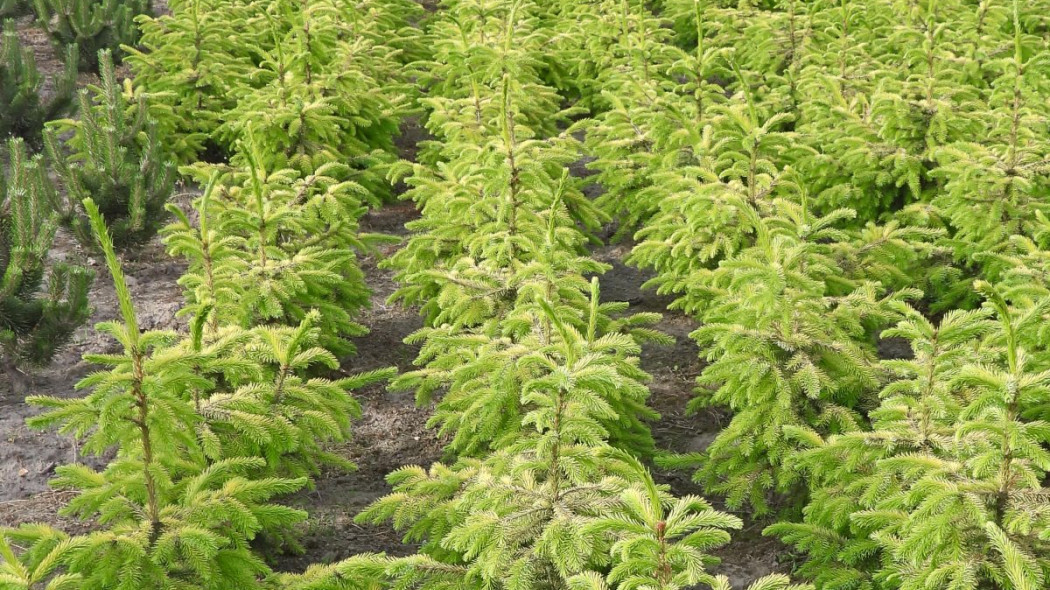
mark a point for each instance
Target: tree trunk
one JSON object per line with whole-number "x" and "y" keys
{"x": 20, "y": 382}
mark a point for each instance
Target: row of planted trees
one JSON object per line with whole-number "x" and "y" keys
{"x": 80, "y": 29}
{"x": 110, "y": 153}
{"x": 200, "y": 431}
{"x": 316, "y": 104}
{"x": 805, "y": 177}
{"x": 542, "y": 399}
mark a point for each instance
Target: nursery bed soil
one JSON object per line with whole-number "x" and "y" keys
{"x": 391, "y": 433}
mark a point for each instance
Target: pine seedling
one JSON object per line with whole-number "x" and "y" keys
{"x": 947, "y": 490}
{"x": 663, "y": 542}
{"x": 621, "y": 41}
{"x": 1025, "y": 281}
{"x": 878, "y": 92}
{"x": 928, "y": 105}
{"x": 657, "y": 100}
{"x": 215, "y": 261}
{"x": 114, "y": 157}
{"x": 208, "y": 519}
{"x": 391, "y": 23}
{"x": 477, "y": 45}
{"x": 23, "y": 111}
{"x": 42, "y": 302}
{"x": 473, "y": 274}
{"x": 767, "y": 39}
{"x": 658, "y": 542}
{"x": 853, "y": 165}
{"x": 716, "y": 207}
{"x": 315, "y": 79}
{"x": 140, "y": 389}
{"x": 1003, "y": 525}
{"x": 13, "y": 8}
{"x": 484, "y": 208}
{"x": 91, "y": 25}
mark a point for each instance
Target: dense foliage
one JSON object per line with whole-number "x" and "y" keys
{"x": 314, "y": 81}
{"x": 270, "y": 245}
{"x": 91, "y": 26}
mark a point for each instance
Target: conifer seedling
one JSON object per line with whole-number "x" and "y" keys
{"x": 23, "y": 110}
{"x": 42, "y": 301}
{"x": 113, "y": 156}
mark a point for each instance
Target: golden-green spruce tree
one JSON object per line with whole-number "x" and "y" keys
{"x": 557, "y": 509}
{"x": 193, "y": 63}
{"x": 271, "y": 244}
{"x": 168, "y": 516}
{"x": 327, "y": 93}
{"x": 948, "y": 486}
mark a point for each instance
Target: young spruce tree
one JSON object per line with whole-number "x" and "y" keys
{"x": 272, "y": 244}
{"x": 168, "y": 516}
{"x": 948, "y": 491}
{"x": 558, "y": 508}
{"x": 193, "y": 63}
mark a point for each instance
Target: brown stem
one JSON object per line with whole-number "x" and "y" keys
{"x": 142, "y": 403}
